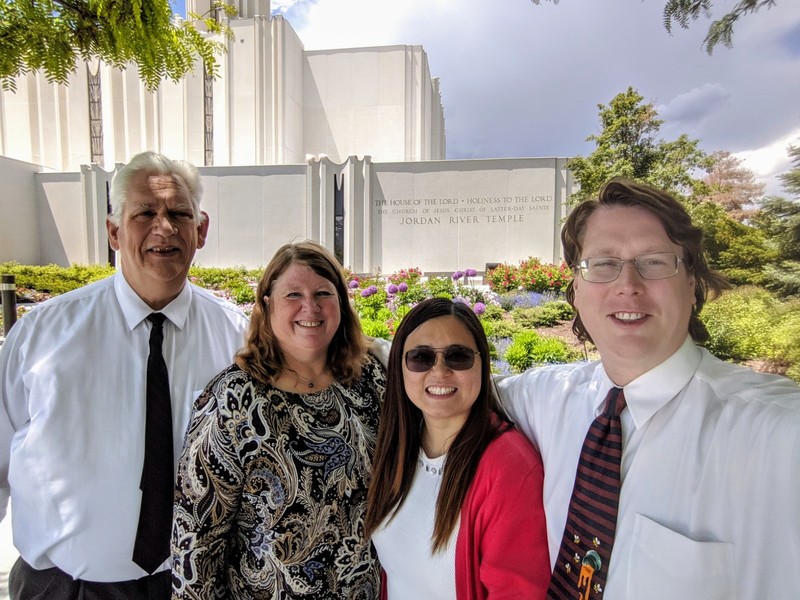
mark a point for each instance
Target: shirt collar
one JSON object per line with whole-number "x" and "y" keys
{"x": 649, "y": 392}
{"x": 136, "y": 310}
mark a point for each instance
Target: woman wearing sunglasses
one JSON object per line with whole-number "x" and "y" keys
{"x": 454, "y": 505}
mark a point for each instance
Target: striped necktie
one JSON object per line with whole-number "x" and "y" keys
{"x": 583, "y": 559}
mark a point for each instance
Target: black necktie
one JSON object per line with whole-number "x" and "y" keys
{"x": 582, "y": 563}
{"x": 155, "y": 517}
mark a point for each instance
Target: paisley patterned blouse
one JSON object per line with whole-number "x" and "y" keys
{"x": 272, "y": 491}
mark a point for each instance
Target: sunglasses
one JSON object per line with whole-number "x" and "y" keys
{"x": 455, "y": 356}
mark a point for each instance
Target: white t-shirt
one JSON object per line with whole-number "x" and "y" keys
{"x": 404, "y": 543}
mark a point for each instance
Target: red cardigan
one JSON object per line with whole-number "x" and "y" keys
{"x": 501, "y": 548}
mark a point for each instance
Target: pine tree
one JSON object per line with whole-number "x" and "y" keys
{"x": 628, "y": 146}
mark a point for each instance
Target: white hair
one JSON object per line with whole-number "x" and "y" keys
{"x": 152, "y": 162}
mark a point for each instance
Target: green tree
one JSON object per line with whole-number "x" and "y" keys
{"x": 791, "y": 180}
{"x": 738, "y": 250}
{"x": 53, "y": 35}
{"x": 779, "y": 220}
{"x": 628, "y": 146}
{"x": 684, "y": 12}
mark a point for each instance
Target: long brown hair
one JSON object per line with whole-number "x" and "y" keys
{"x": 400, "y": 431}
{"x": 262, "y": 357}
{"x": 678, "y": 225}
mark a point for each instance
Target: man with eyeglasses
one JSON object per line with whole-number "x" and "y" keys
{"x": 708, "y": 486}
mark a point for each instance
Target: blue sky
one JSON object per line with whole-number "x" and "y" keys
{"x": 524, "y": 80}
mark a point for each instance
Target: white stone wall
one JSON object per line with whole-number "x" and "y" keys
{"x": 448, "y": 215}
{"x": 68, "y": 228}
{"x": 438, "y": 216}
{"x": 19, "y": 229}
{"x": 252, "y": 211}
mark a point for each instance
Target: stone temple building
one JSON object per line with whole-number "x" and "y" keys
{"x": 345, "y": 147}
{"x": 273, "y": 103}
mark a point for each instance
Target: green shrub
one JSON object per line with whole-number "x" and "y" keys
{"x": 414, "y": 295}
{"x": 545, "y": 315}
{"x": 54, "y": 279}
{"x": 492, "y": 312}
{"x": 528, "y": 348}
{"x": 440, "y": 287}
{"x": 372, "y": 306}
{"x": 376, "y": 329}
{"x": 740, "y": 323}
{"x": 785, "y": 336}
{"x": 502, "y": 328}
{"x": 488, "y": 327}
{"x": 239, "y": 283}
{"x": 526, "y": 318}
{"x": 401, "y": 312}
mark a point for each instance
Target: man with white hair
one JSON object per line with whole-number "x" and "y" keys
{"x": 85, "y": 430}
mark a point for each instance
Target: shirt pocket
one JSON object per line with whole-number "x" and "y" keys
{"x": 665, "y": 564}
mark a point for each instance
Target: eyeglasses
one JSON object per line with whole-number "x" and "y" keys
{"x": 604, "y": 269}
{"x": 455, "y": 356}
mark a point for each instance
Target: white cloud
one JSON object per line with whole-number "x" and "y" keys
{"x": 283, "y": 6}
{"x": 695, "y": 104}
{"x": 524, "y": 80}
{"x": 770, "y": 161}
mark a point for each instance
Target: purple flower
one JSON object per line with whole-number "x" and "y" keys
{"x": 460, "y": 300}
{"x": 479, "y": 308}
{"x": 403, "y": 287}
{"x": 373, "y": 289}
{"x": 391, "y": 288}
{"x": 471, "y": 272}
{"x": 353, "y": 284}
{"x": 458, "y": 275}
{"x": 367, "y": 292}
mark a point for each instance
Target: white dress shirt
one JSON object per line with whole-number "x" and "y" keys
{"x": 710, "y": 500}
{"x": 72, "y": 417}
